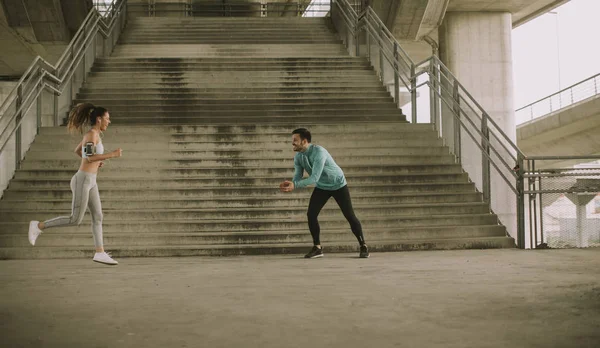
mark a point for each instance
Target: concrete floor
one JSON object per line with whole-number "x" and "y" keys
{"x": 471, "y": 298}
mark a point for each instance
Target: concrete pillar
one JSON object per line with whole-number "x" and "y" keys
{"x": 476, "y": 47}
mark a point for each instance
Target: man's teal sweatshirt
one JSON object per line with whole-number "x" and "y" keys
{"x": 321, "y": 168}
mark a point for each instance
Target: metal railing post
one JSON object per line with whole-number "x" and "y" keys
{"x": 39, "y": 106}
{"x": 413, "y": 93}
{"x": 56, "y": 121}
{"x": 541, "y": 205}
{"x": 72, "y": 75}
{"x": 396, "y": 77}
{"x": 532, "y": 213}
{"x": 368, "y": 43}
{"x": 356, "y": 40}
{"x": 381, "y": 54}
{"x": 520, "y": 185}
{"x": 18, "y": 134}
{"x": 84, "y": 57}
{"x": 572, "y": 101}
{"x": 432, "y": 115}
{"x": 531, "y": 112}
{"x": 485, "y": 162}
{"x": 457, "y": 130}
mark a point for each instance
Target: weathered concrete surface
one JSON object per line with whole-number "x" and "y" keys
{"x": 493, "y": 298}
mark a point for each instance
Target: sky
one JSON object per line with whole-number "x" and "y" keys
{"x": 540, "y": 56}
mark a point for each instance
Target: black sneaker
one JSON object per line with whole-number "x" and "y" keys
{"x": 314, "y": 253}
{"x": 364, "y": 252}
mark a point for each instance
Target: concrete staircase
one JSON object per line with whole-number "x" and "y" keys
{"x": 205, "y": 121}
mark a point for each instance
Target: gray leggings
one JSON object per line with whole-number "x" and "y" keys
{"x": 85, "y": 194}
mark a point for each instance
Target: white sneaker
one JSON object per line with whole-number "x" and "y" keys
{"x": 105, "y": 259}
{"x": 34, "y": 231}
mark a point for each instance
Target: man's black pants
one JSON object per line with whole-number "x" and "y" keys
{"x": 342, "y": 197}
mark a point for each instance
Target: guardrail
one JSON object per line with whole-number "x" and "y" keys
{"x": 96, "y": 36}
{"x": 576, "y": 93}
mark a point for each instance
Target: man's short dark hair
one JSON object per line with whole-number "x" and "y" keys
{"x": 303, "y": 133}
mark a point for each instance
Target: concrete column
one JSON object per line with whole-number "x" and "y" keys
{"x": 476, "y": 47}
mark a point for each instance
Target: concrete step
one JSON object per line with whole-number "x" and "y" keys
{"x": 255, "y": 249}
{"x": 140, "y": 151}
{"x": 249, "y": 154}
{"x": 185, "y": 111}
{"x": 257, "y": 110}
{"x": 108, "y": 191}
{"x": 260, "y": 110}
{"x": 252, "y": 214}
{"x": 146, "y": 182}
{"x": 409, "y": 145}
{"x": 322, "y": 130}
{"x": 417, "y": 147}
{"x": 230, "y": 60}
{"x": 251, "y": 104}
{"x": 260, "y": 224}
{"x": 196, "y": 52}
{"x": 272, "y": 64}
{"x": 131, "y": 161}
{"x": 281, "y": 172}
{"x": 213, "y": 82}
{"x": 228, "y": 28}
{"x": 199, "y": 77}
{"x": 56, "y": 238}
{"x": 133, "y": 28}
{"x": 216, "y": 95}
{"x": 182, "y": 91}
{"x": 228, "y": 41}
{"x": 237, "y": 50}
{"x": 169, "y": 119}
{"x": 13, "y": 203}
{"x": 260, "y": 51}
{"x": 313, "y": 68}
{"x": 238, "y": 101}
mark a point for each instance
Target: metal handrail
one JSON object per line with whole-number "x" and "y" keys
{"x": 427, "y": 65}
{"x": 370, "y": 13}
{"x": 55, "y": 77}
{"x": 528, "y": 110}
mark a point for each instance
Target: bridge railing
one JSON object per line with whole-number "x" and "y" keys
{"x": 576, "y": 93}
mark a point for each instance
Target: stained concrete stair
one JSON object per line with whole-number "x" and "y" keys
{"x": 159, "y": 203}
{"x": 230, "y": 37}
{"x": 203, "y": 109}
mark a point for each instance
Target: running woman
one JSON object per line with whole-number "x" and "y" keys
{"x": 83, "y": 183}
